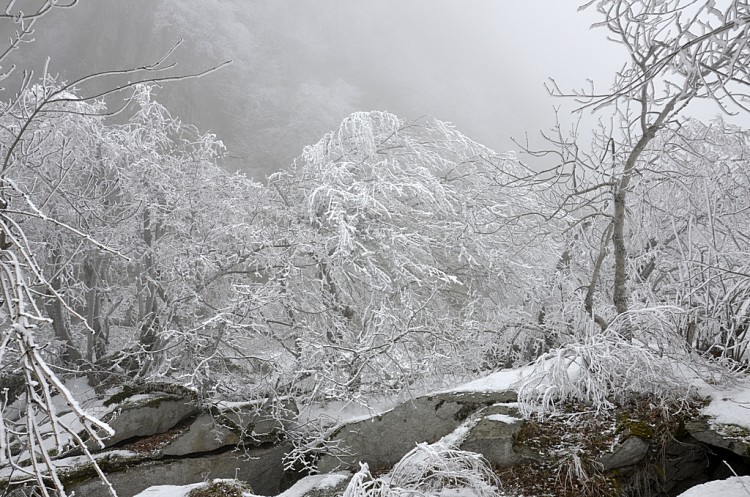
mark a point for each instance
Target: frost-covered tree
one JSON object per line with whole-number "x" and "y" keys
{"x": 678, "y": 52}
{"x": 410, "y": 247}
{"x": 655, "y": 260}
{"x": 691, "y": 220}
{"x": 27, "y": 442}
{"x": 187, "y": 232}
{"x": 59, "y": 192}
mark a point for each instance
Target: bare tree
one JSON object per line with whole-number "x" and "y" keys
{"x": 678, "y": 52}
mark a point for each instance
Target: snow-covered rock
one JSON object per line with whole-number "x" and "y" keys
{"x": 731, "y": 437}
{"x": 494, "y": 435}
{"x": 257, "y": 421}
{"x": 629, "y": 453}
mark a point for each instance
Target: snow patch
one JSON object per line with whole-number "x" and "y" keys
{"x": 458, "y": 436}
{"x": 305, "y": 485}
{"x": 502, "y": 418}
{"x": 731, "y": 487}
{"x": 731, "y": 406}
{"x": 507, "y": 379}
{"x": 170, "y": 490}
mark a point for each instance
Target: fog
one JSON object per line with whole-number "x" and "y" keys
{"x": 300, "y": 67}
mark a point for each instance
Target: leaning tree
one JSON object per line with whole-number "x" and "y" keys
{"x": 411, "y": 250}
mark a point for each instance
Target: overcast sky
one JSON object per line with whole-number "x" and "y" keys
{"x": 480, "y": 64}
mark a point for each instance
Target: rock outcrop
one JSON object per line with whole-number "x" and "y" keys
{"x": 166, "y": 438}
{"x": 729, "y": 437}
{"x": 261, "y": 467}
{"x": 147, "y": 415}
{"x": 494, "y": 435}
{"x": 247, "y": 423}
{"x": 381, "y": 441}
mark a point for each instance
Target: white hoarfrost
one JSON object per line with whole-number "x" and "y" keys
{"x": 429, "y": 470}
{"x": 413, "y": 244}
{"x": 600, "y": 369}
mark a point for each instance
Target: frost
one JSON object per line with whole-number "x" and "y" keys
{"x": 429, "y": 470}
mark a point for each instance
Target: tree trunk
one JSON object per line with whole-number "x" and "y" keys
{"x": 57, "y": 313}
{"x": 619, "y": 292}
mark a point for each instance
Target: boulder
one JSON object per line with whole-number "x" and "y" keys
{"x": 381, "y": 441}
{"x": 256, "y": 422}
{"x": 687, "y": 463}
{"x": 262, "y": 468}
{"x": 147, "y": 415}
{"x": 203, "y": 435}
{"x": 494, "y": 435}
{"x": 730, "y": 437}
{"x": 626, "y": 454}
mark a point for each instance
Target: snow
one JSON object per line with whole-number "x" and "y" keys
{"x": 503, "y": 418}
{"x": 731, "y": 487}
{"x": 729, "y": 406}
{"x": 507, "y": 379}
{"x": 170, "y": 490}
{"x": 305, "y": 485}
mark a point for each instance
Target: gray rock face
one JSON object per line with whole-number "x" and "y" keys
{"x": 204, "y": 435}
{"x": 149, "y": 416}
{"x": 192, "y": 456}
{"x": 257, "y": 421}
{"x": 485, "y": 423}
{"x": 725, "y": 436}
{"x": 494, "y": 434}
{"x": 686, "y": 465}
{"x": 251, "y": 423}
{"x": 629, "y": 453}
{"x": 383, "y": 440}
{"x": 261, "y": 468}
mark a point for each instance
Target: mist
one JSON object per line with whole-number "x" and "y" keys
{"x": 298, "y": 68}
